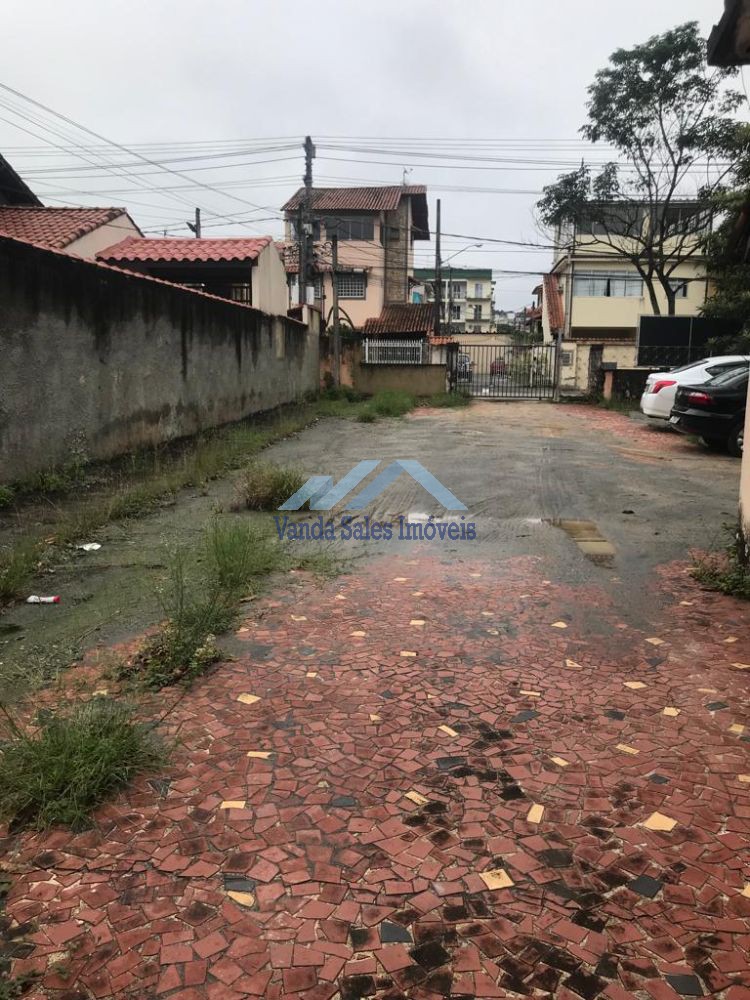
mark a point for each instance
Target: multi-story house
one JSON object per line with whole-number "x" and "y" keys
{"x": 376, "y": 229}
{"x": 467, "y": 305}
{"x": 596, "y": 298}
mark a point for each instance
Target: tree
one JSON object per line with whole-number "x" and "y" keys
{"x": 670, "y": 118}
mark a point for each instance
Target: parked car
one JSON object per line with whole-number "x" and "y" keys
{"x": 498, "y": 368}
{"x": 714, "y": 411}
{"x": 659, "y": 395}
{"x": 463, "y": 368}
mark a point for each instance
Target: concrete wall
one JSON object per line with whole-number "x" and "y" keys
{"x": 575, "y": 374}
{"x": 88, "y": 246}
{"x": 100, "y": 361}
{"x": 420, "y": 380}
{"x": 269, "y": 287}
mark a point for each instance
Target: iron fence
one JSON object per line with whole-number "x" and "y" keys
{"x": 379, "y": 351}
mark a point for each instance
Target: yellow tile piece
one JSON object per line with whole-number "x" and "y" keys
{"x": 626, "y": 749}
{"x": 741, "y": 666}
{"x": 418, "y": 622}
{"x": 400, "y": 579}
{"x": 708, "y": 690}
{"x": 488, "y": 614}
{"x": 417, "y": 593}
{"x": 532, "y": 694}
{"x": 475, "y": 575}
{"x": 687, "y": 604}
{"x": 259, "y": 754}
{"x": 447, "y": 730}
{"x": 374, "y": 717}
{"x": 242, "y": 898}
{"x": 233, "y": 804}
{"x": 634, "y": 685}
{"x": 745, "y": 778}
{"x": 416, "y": 797}
{"x": 248, "y": 699}
{"x": 559, "y": 625}
{"x": 535, "y": 814}
{"x": 731, "y": 638}
{"x": 241, "y": 631}
{"x": 573, "y": 664}
{"x": 359, "y": 634}
{"x": 299, "y": 618}
{"x": 497, "y": 878}
{"x": 658, "y": 821}
{"x": 737, "y": 729}
{"x": 492, "y": 631}
{"x": 407, "y": 653}
{"x": 671, "y": 712}
{"x": 311, "y": 673}
{"x": 560, "y": 761}
{"x": 655, "y": 642}
{"x": 101, "y": 692}
{"x": 746, "y": 890}
{"x": 340, "y": 597}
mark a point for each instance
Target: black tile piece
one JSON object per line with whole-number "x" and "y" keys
{"x": 387, "y": 694}
{"x": 448, "y": 763}
{"x": 607, "y": 967}
{"x": 585, "y": 984}
{"x": 556, "y": 858}
{"x": 392, "y": 933}
{"x": 714, "y": 706}
{"x": 658, "y": 779}
{"x": 644, "y": 885}
{"x": 430, "y": 955}
{"x": 344, "y": 801}
{"x": 687, "y": 986}
{"x": 615, "y": 713}
{"x": 238, "y": 883}
{"x": 512, "y": 792}
{"x": 360, "y": 936}
{"x": 525, "y": 716}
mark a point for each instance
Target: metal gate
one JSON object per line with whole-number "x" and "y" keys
{"x": 509, "y": 371}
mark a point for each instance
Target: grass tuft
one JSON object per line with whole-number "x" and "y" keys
{"x": 72, "y": 763}
{"x": 727, "y": 571}
{"x": 392, "y": 403}
{"x": 265, "y": 486}
{"x": 449, "y": 400}
{"x": 17, "y": 566}
{"x": 238, "y": 554}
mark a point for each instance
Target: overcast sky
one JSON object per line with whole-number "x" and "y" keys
{"x": 498, "y": 79}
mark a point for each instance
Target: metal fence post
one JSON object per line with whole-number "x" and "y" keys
{"x": 558, "y": 366}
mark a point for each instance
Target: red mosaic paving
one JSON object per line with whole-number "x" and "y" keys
{"x": 469, "y": 821}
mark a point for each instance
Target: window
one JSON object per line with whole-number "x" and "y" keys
{"x": 477, "y": 312}
{"x": 566, "y": 358}
{"x": 352, "y": 286}
{"x": 393, "y": 234}
{"x": 617, "y": 285}
{"x": 680, "y": 286}
{"x": 317, "y": 285}
{"x": 242, "y": 293}
{"x": 455, "y": 312}
{"x": 362, "y": 228}
{"x": 478, "y": 290}
{"x": 612, "y": 220}
{"x": 379, "y": 351}
{"x": 458, "y": 289}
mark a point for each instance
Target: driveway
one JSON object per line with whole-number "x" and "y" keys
{"x": 513, "y": 766}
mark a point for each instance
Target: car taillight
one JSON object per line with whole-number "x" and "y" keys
{"x": 699, "y": 398}
{"x": 662, "y": 384}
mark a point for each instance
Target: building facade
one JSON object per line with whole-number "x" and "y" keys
{"x": 467, "y": 297}
{"x": 376, "y": 229}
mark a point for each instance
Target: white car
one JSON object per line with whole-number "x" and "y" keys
{"x": 661, "y": 387}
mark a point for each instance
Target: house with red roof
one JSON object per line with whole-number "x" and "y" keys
{"x": 376, "y": 228}
{"x": 247, "y": 270}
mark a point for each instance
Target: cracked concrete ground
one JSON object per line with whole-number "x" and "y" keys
{"x": 464, "y": 770}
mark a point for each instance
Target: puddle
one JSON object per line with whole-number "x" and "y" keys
{"x": 588, "y": 538}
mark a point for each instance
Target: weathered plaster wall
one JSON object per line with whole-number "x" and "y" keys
{"x": 102, "y": 361}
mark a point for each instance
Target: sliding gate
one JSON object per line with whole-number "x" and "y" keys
{"x": 510, "y": 371}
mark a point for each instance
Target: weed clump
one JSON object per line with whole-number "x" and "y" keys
{"x": 449, "y": 400}
{"x": 72, "y": 762}
{"x": 17, "y": 566}
{"x": 265, "y": 486}
{"x": 728, "y": 570}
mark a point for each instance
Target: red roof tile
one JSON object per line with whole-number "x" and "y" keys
{"x": 53, "y": 227}
{"x": 403, "y": 318}
{"x": 553, "y": 301}
{"x": 356, "y": 199}
{"x": 185, "y": 249}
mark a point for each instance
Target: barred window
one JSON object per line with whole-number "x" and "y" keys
{"x": 242, "y": 293}
{"x": 352, "y": 286}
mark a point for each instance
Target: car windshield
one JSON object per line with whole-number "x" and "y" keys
{"x": 699, "y": 364}
{"x": 734, "y": 375}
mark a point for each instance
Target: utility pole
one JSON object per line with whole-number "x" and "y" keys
{"x": 305, "y": 227}
{"x": 450, "y": 299}
{"x": 438, "y": 275}
{"x": 195, "y": 227}
{"x": 336, "y": 327}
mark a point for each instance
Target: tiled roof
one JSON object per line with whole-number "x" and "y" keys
{"x": 289, "y": 253}
{"x": 53, "y": 227}
{"x": 554, "y": 302}
{"x": 409, "y": 317}
{"x": 185, "y": 249}
{"x": 356, "y": 199}
{"x": 369, "y": 199}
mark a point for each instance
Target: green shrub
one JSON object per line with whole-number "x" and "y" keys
{"x": 727, "y": 571}
{"x": 238, "y": 553}
{"x": 265, "y": 486}
{"x": 17, "y": 566}
{"x": 72, "y": 763}
{"x": 450, "y": 400}
{"x": 367, "y": 416}
{"x": 392, "y": 403}
{"x": 6, "y": 496}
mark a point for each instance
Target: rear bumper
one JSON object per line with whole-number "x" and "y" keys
{"x": 707, "y": 425}
{"x": 653, "y": 406}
